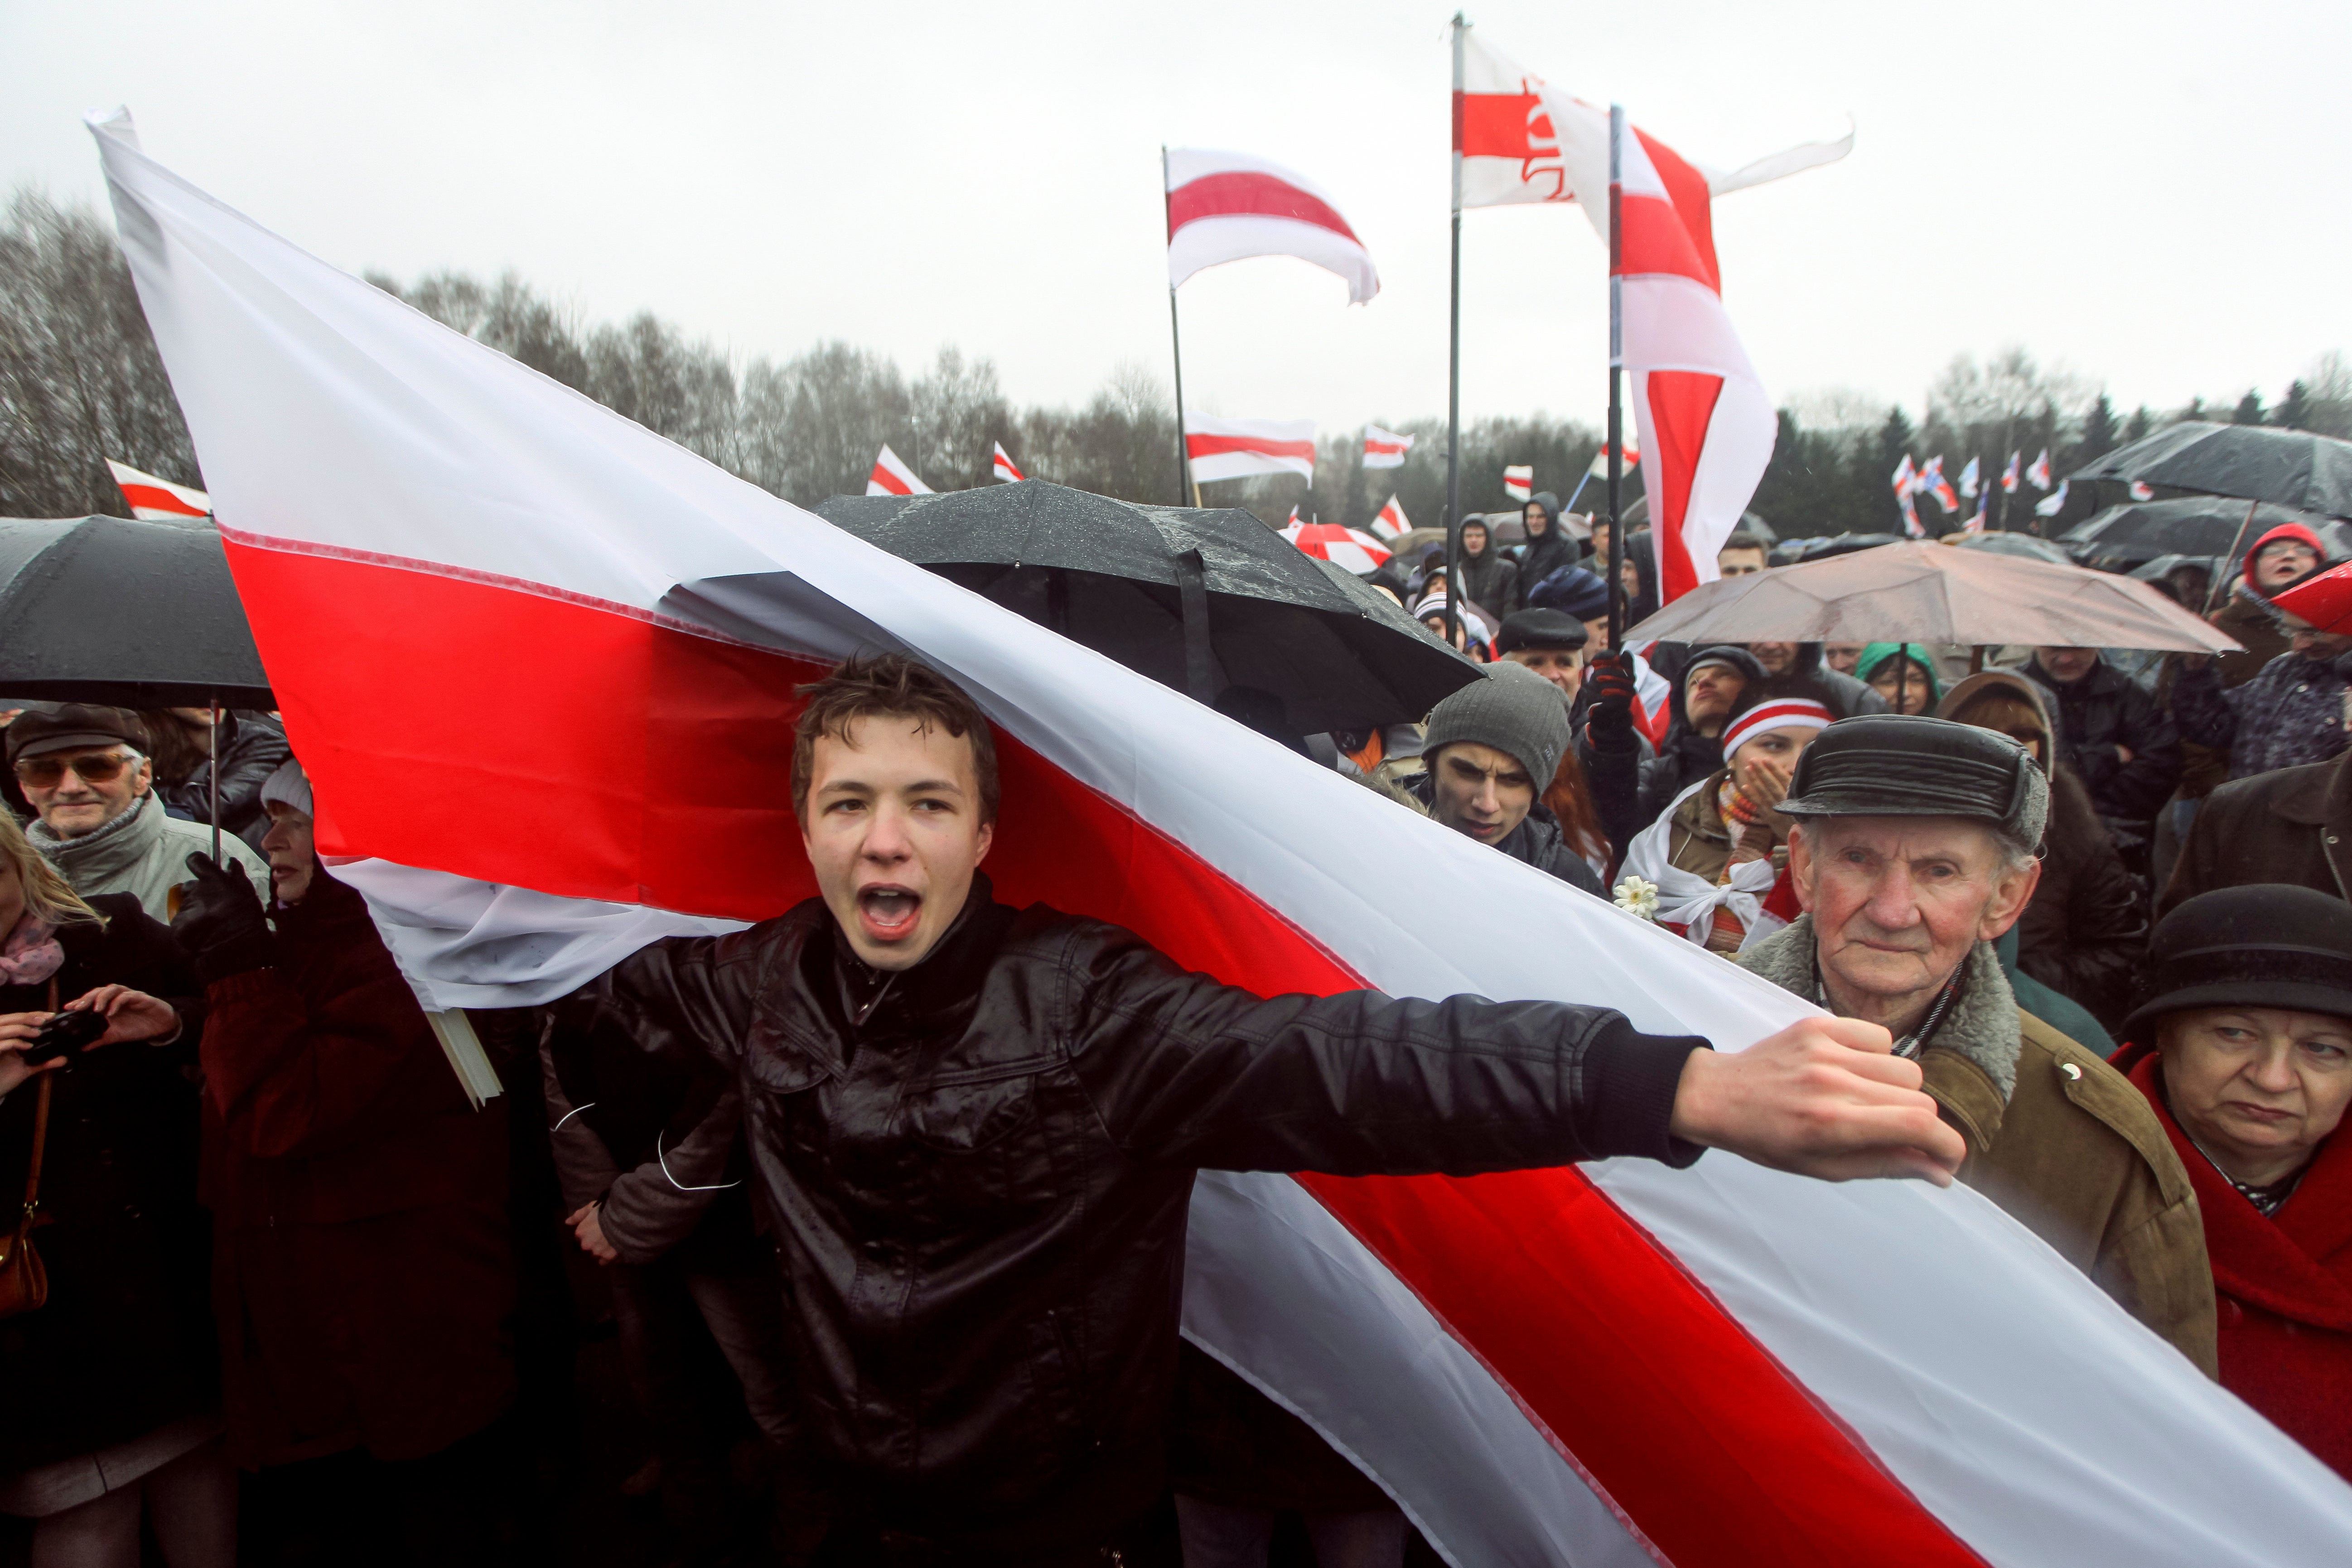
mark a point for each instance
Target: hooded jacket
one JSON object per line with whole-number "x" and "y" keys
{"x": 1539, "y": 558}
{"x": 2085, "y": 933}
{"x": 2282, "y": 1285}
{"x": 144, "y": 853}
{"x": 980, "y": 1183}
{"x": 2058, "y": 1139}
{"x": 2102, "y": 716}
{"x": 1491, "y": 579}
{"x": 1536, "y": 841}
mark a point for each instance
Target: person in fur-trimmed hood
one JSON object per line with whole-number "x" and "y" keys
{"x": 1913, "y": 853}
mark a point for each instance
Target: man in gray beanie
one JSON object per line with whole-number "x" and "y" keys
{"x": 1915, "y": 850}
{"x": 1491, "y": 750}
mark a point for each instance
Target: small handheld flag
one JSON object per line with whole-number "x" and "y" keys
{"x": 2009, "y": 474}
{"x": 1004, "y": 469}
{"x": 891, "y": 477}
{"x": 151, "y": 499}
{"x": 1519, "y": 480}
{"x": 1392, "y": 523}
{"x": 1968, "y": 480}
{"x": 2054, "y": 505}
{"x": 2039, "y": 473}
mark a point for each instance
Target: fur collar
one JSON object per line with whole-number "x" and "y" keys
{"x": 1983, "y": 1022}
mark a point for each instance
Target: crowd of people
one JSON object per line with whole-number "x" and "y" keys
{"x": 883, "y": 1200}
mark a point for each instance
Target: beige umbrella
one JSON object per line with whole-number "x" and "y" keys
{"x": 1924, "y": 593}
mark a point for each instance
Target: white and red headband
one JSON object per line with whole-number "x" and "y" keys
{"x": 1775, "y": 713}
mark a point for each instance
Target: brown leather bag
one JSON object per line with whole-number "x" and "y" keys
{"x": 24, "y": 1282}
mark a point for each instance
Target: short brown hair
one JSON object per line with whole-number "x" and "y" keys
{"x": 889, "y": 685}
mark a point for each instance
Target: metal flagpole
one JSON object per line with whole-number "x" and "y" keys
{"x": 1616, "y": 378}
{"x": 1184, "y": 481}
{"x": 1453, "y": 362}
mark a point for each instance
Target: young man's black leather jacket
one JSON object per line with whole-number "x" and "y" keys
{"x": 979, "y": 1190}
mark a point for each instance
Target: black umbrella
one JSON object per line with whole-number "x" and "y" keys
{"x": 133, "y": 614}
{"x": 1203, "y": 600}
{"x": 2251, "y": 462}
{"x": 2123, "y": 538}
{"x": 130, "y": 614}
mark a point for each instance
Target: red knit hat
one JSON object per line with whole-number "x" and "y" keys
{"x": 2283, "y": 533}
{"x": 2325, "y": 600}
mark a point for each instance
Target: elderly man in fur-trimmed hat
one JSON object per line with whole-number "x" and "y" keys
{"x": 1914, "y": 851}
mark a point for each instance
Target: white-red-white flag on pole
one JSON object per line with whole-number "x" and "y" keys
{"x": 1976, "y": 523}
{"x": 1905, "y": 478}
{"x": 1971, "y": 478}
{"x": 1385, "y": 448}
{"x": 1516, "y": 147}
{"x": 2009, "y": 474}
{"x": 1391, "y": 523}
{"x": 1236, "y": 448}
{"x": 1519, "y": 480}
{"x": 1600, "y": 466}
{"x": 891, "y": 477}
{"x": 1342, "y": 547}
{"x": 2053, "y": 504}
{"x": 1860, "y": 1373}
{"x": 151, "y": 499}
{"x": 1005, "y": 469}
{"x": 1229, "y": 207}
{"x": 2037, "y": 473}
{"x": 1932, "y": 482}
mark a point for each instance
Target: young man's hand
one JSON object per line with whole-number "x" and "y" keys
{"x": 590, "y": 1231}
{"x": 1823, "y": 1097}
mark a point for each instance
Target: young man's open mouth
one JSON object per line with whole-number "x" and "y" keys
{"x": 888, "y": 912}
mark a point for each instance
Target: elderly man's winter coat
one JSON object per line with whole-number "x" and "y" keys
{"x": 2058, "y": 1139}
{"x": 362, "y": 1271}
{"x": 2282, "y": 1285}
{"x": 2289, "y": 715}
{"x": 2292, "y": 826}
{"x": 144, "y": 853}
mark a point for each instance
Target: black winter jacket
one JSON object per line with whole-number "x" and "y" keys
{"x": 252, "y": 746}
{"x": 980, "y": 1191}
{"x": 1630, "y": 790}
{"x": 125, "y": 1343}
{"x": 1491, "y": 580}
{"x": 1539, "y": 558}
{"x": 1536, "y": 841}
{"x": 2101, "y": 712}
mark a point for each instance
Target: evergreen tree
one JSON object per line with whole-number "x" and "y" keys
{"x": 2249, "y": 409}
{"x": 2098, "y": 433}
{"x": 2141, "y": 423}
{"x": 1882, "y": 511}
{"x": 2293, "y": 412}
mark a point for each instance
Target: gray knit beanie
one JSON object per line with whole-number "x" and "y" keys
{"x": 1513, "y": 709}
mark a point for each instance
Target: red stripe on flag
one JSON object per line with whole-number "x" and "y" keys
{"x": 889, "y": 481}
{"x": 1495, "y": 124}
{"x": 513, "y": 771}
{"x": 158, "y": 500}
{"x": 1693, "y": 204}
{"x": 1656, "y": 242}
{"x": 1688, "y": 1427}
{"x": 1682, "y": 402}
{"x": 1201, "y": 446}
{"x": 1246, "y": 192}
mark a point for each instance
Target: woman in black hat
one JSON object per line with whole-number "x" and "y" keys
{"x": 2245, "y": 1047}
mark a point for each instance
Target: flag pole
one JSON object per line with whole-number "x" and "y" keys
{"x": 1616, "y": 364}
{"x": 1454, "y": 360}
{"x": 1184, "y": 479}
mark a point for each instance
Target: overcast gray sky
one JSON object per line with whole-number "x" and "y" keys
{"x": 2152, "y": 193}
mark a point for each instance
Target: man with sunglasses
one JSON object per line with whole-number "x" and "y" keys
{"x": 84, "y": 771}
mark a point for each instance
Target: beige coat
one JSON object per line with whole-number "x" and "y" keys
{"x": 2059, "y": 1140}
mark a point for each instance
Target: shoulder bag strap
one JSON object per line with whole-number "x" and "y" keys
{"x": 41, "y": 1129}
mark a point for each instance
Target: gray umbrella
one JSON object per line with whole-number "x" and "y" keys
{"x": 2248, "y": 462}
{"x": 1933, "y": 593}
{"x": 1204, "y": 600}
{"x": 2001, "y": 543}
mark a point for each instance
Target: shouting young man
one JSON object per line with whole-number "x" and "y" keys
{"x": 975, "y": 1129}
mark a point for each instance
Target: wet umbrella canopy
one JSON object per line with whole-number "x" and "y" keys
{"x": 2124, "y": 537}
{"x": 1131, "y": 582}
{"x": 135, "y": 615}
{"x": 1996, "y": 542}
{"x": 1932, "y": 593}
{"x": 2251, "y": 462}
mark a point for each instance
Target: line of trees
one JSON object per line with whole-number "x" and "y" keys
{"x": 80, "y": 382}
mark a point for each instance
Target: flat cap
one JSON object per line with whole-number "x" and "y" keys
{"x": 1540, "y": 629}
{"x": 48, "y": 727}
{"x": 1899, "y": 765}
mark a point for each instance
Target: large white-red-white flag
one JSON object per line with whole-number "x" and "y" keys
{"x": 1385, "y": 448}
{"x": 1229, "y": 206}
{"x": 1236, "y": 448}
{"x": 1003, "y": 468}
{"x": 1616, "y": 1364}
{"x": 1342, "y": 547}
{"x": 892, "y": 477}
{"x": 151, "y": 499}
{"x": 1705, "y": 425}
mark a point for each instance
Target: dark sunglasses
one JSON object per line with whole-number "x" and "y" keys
{"x": 44, "y": 773}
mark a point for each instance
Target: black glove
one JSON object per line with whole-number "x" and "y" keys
{"x": 1609, "y": 721}
{"x": 221, "y": 925}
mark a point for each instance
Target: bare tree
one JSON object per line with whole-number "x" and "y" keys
{"x": 80, "y": 381}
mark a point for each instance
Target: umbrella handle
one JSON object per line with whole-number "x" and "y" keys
{"x": 211, "y": 752}
{"x": 1193, "y": 593}
{"x": 2222, "y": 578}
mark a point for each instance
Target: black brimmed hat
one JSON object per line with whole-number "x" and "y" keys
{"x": 1540, "y": 629}
{"x": 2263, "y": 945}
{"x": 1900, "y": 765}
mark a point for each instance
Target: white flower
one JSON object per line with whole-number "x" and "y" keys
{"x": 1638, "y": 897}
